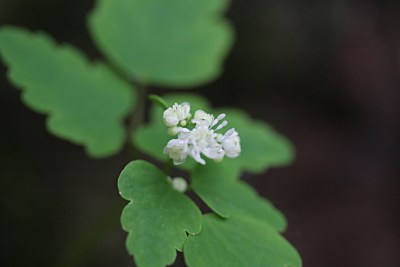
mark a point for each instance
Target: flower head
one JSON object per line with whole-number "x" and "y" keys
{"x": 231, "y": 143}
{"x": 202, "y": 118}
{"x": 201, "y": 139}
{"x": 176, "y": 114}
{"x": 177, "y": 150}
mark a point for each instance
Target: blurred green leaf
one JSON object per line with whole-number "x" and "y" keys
{"x": 262, "y": 146}
{"x": 85, "y": 102}
{"x": 168, "y": 43}
{"x": 158, "y": 217}
{"x": 220, "y": 189}
{"x": 238, "y": 242}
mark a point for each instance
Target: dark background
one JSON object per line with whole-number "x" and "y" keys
{"x": 324, "y": 73}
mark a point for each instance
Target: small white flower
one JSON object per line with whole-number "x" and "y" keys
{"x": 176, "y": 114}
{"x": 177, "y": 150}
{"x": 203, "y": 140}
{"x": 203, "y": 118}
{"x": 231, "y": 143}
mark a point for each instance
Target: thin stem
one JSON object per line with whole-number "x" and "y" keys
{"x": 159, "y": 101}
{"x": 137, "y": 117}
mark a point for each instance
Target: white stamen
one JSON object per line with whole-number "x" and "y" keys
{"x": 222, "y": 125}
{"x": 221, "y": 116}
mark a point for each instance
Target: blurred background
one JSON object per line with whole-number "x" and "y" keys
{"x": 324, "y": 73}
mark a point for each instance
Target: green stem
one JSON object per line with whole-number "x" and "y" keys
{"x": 137, "y": 117}
{"x": 159, "y": 101}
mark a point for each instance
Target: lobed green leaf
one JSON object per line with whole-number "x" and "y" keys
{"x": 157, "y": 217}
{"x": 168, "y": 43}
{"x": 238, "y": 242}
{"x": 226, "y": 196}
{"x": 85, "y": 102}
{"x": 262, "y": 146}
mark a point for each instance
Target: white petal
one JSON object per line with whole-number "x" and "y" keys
{"x": 230, "y": 132}
{"x": 196, "y": 156}
{"x": 232, "y": 146}
{"x": 214, "y": 153}
{"x": 177, "y": 150}
{"x": 183, "y": 111}
{"x": 203, "y": 118}
{"x": 170, "y": 117}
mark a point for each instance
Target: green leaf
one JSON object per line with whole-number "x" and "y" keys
{"x": 169, "y": 43}
{"x": 158, "y": 217}
{"x": 262, "y": 146}
{"x": 85, "y": 102}
{"x": 238, "y": 242}
{"x": 220, "y": 189}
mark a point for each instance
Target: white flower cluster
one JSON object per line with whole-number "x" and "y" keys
{"x": 198, "y": 136}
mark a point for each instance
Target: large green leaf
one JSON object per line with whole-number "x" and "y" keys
{"x": 238, "y": 242}
{"x": 164, "y": 42}
{"x": 86, "y": 102}
{"x": 218, "y": 187}
{"x": 158, "y": 217}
